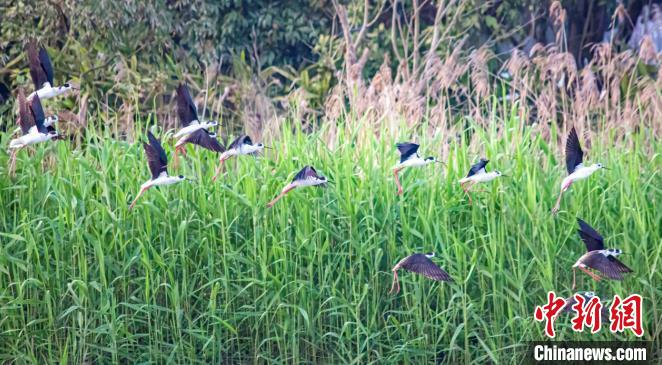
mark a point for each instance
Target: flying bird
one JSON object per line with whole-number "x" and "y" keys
{"x": 421, "y": 264}
{"x": 597, "y": 257}
{"x": 188, "y": 115}
{"x": 31, "y": 121}
{"x": 41, "y": 71}
{"x": 574, "y": 157}
{"x": 477, "y": 174}
{"x": 587, "y": 295}
{"x": 306, "y": 177}
{"x": 48, "y": 122}
{"x": 243, "y": 145}
{"x": 409, "y": 158}
{"x": 158, "y": 166}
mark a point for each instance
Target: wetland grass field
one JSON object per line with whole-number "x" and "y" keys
{"x": 202, "y": 272}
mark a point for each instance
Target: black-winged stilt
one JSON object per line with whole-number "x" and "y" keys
{"x": 31, "y": 121}
{"x": 243, "y": 145}
{"x": 158, "y": 166}
{"x": 477, "y": 174}
{"x": 41, "y": 71}
{"x": 597, "y": 257}
{"x": 409, "y": 158}
{"x": 421, "y": 264}
{"x": 574, "y": 156}
{"x": 48, "y": 122}
{"x": 188, "y": 114}
{"x": 587, "y": 295}
{"x": 306, "y": 177}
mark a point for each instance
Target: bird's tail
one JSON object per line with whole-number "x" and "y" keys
{"x": 15, "y": 143}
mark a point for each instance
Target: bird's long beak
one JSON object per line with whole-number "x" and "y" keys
{"x": 606, "y": 168}
{"x": 269, "y": 148}
{"x": 502, "y": 175}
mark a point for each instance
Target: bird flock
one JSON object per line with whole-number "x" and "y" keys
{"x": 36, "y": 128}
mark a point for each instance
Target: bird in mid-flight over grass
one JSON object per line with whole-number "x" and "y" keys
{"x": 243, "y": 145}
{"x": 31, "y": 121}
{"x": 306, "y": 177}
{"x": 41, "y": 71}
{"x": 421, "y": 264}
{"x": 187, "y": 113}
{"x": 597, "y": 257}
{"x": 574, "y": 158}
{"x": 409, "y": 158}
{"x": 477, "y": 174}
{"x": 158, "y": 166}
{"x": 587, "y": 295}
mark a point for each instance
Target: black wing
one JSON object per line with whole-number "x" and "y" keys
{"x": 569, "y": 302}
{"x": 241, "y": 140}
{"x": 46, "y": 64}
{"x": 185, "y": 106}
{"x": 573, "y": 151}
{"x": 609, "y": 266}
{"x": 406, "y": 150}
{"x": 38, "y": 114}
{"x": 305, "y": 173}
{"x": 202, "y": 138}
{"x": 590, "y": 236}
{"x": 37, "y": 72}
{"x": 156, "y": 156}
{"x": 421, "y": 264}
{"x": 25, "y": 117}
{"x": 475, "y": 168}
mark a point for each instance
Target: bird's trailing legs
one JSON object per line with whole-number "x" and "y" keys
{"x": 466, "y": 186}
{"x": 592, "y": 275}
{"x": 142, "y": 190}
{"x": 12, "y": 161}
{"x": 395, "y": 286}
{"x": 179, "y": 149}
{"x": 557, "y": 206}
{"x": 221, "y": 163}
{"x": 286, "y": 190}
{"x": 397, "y": 181}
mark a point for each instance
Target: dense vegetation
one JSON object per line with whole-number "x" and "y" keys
{"x": 204, "y": 271}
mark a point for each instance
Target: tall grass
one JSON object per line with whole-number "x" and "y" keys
{"x": 204, "y": 273}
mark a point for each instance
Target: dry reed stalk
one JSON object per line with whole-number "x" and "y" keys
{"x": 558, "y": 14}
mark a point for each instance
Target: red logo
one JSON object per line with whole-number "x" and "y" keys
{"x": 623, "y": 314}
{"x": 549, "y": 312}
{"x": 626, "y": 314}
{"x": 588, "y": 315}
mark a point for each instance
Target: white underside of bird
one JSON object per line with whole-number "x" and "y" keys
{"x": 29, "y": 139}
{"x": 163, "y": 179}
{"x": 480, "y": 177}
{"x": 244, "y": 149}
{"x": 181, "y": 141}
{"x": 49, "y": 121}
{"x": 413, "y": 162}
{"x": 47, "y": 91}
{"x": 581, "y": 172}
{"x": 307, "y": 182}
{"x": 194, "y": 126}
